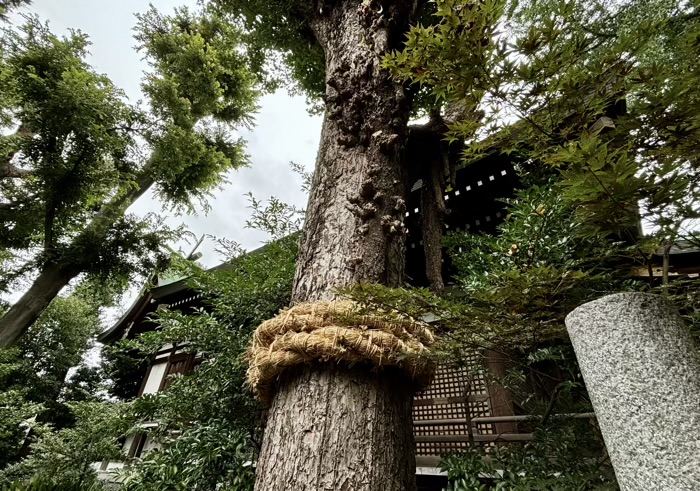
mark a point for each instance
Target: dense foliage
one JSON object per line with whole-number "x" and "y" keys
{"x": 280, "y": 30}
{"x": 208, "y": 422}
{"x": 210, "y": 455}
{"x": 558, "y": 459}
{"x": 511, "y": 294}
{"x": 65, "y": 458}
{"x": 75, "y": 155}
{"x": 599, "y": 102}
{"x": 196, "y": 410}
{"x": 595, "y": 89}
{"x": 35, "y": 384}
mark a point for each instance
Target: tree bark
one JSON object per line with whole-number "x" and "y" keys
{"x": 336, "y": 429}
{"x": 333, "y": 427}
{"x": 433, "y": 213}
{"x": 29, "y": 307}
{"x": 353, "y": 230}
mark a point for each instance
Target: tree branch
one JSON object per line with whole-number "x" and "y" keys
{"x": 550, "y": 406}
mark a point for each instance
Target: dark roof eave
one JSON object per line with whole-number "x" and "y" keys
{"x": 116, "y": 332}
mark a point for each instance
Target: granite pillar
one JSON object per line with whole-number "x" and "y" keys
{"x": 642, "y": 372}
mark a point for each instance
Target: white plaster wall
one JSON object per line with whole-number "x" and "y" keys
{"x": 155, "y": 377}
{"x": 149, "y": 446}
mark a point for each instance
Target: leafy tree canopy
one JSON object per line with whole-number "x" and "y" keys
{"x": 35, "y": 373}
{"x": 63, "y": 459}
{"x": 281, "y": 29}
{"x": 560, "y": 74}
{"x": 81, "y": 155}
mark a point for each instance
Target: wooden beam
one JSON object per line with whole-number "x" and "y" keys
{"x": 437, "y": 401}
{"x": 528, "y": 417}
{"x": 440, "y": 422}
{"x": 497, "y": 419}
{"x": 504, "y": 437}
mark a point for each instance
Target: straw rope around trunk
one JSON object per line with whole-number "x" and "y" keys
{"x": 336, "y": 331}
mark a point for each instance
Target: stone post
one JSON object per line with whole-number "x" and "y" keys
{"x": 642, "y": 371}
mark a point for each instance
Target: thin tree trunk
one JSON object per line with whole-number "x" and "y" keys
{"x": 30, "y": 306}
{"x": 433, "y": 220}
{"x": 332, "y": 427}
{"x": 500, "y": 398}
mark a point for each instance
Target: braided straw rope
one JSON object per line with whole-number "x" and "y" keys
{"x": 336, "y": 331}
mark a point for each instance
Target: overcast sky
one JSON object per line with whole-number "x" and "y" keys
{"x": 283, "y": 131}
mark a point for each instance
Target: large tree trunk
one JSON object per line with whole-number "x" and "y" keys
{"x": 333, "y": 427}
{"x": 29, "y": 307}
{"x": 337, "y": 429}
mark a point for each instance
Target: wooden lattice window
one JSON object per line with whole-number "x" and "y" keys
{"x": 442, "y": 413}
{"x": 182, "y": 364}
